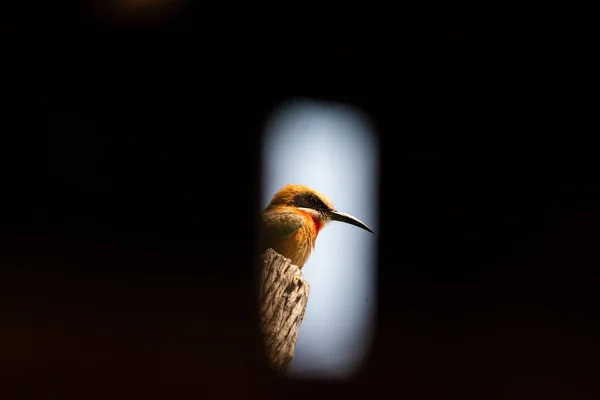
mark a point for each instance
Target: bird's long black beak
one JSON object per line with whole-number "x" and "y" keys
{"x": 349, "y": 219}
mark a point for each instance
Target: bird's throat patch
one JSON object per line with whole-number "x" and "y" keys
{"x": 317, "y": 224}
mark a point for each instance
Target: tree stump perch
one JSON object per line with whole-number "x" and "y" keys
{"x": 283, "y": 299}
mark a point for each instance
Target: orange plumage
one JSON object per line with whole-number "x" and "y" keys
{"x": 293, "y": 219}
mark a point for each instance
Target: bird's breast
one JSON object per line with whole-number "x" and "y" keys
{"x": 298, "y": 246}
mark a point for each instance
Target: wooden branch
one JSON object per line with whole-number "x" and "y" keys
{"x": 283, "y": 299}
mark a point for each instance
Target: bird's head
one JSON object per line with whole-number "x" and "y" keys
{"x": 317, "y": 205}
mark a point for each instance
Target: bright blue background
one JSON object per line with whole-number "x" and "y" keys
{"x": 333, "y": 149}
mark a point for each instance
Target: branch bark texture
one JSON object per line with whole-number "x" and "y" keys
{"x": 283, "y": 299}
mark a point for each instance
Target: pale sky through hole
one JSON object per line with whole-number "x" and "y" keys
{"x": 333, "y": 149}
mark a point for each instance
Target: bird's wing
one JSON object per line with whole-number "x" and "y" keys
{"x": 277, "y": 226}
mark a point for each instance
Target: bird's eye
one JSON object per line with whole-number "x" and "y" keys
{"x": 314, "y": 200}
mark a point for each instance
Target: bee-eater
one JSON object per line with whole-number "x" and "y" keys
{"x": 294, "y": 218}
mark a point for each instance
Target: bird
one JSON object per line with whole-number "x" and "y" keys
{"x": 293, "y": 219}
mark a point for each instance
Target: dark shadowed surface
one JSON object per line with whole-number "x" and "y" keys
{"x": 130, "y": 165}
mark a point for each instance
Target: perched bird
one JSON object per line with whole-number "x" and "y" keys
{"x": 293, "y": 219}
